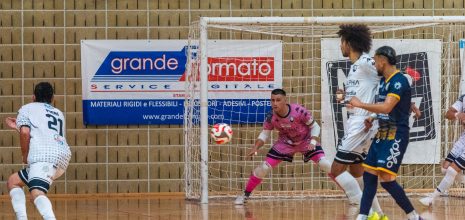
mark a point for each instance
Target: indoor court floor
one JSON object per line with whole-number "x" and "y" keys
{"x": 176, "y": 207}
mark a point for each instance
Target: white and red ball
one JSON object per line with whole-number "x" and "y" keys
{"x": 221, "y": 133}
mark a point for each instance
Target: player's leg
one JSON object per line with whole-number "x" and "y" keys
{"x": 451, "y": 170}
{"x": 446, "y": 182}
{"x": 389, "y": 183}
{"x": 357, "y": 170}
{"x": 15, "y": 186}
{"x": 390, "y": 155}
{"x": 350, "y": 151}
{"x": 317, "y": 155}
{"x": 370, "y": 179}
{"x": 273, "y": 158}
{"x": 43, "y": 204}
{"x": 346, "y": 181}
{"x": 457, "y": 150}
{"x": 41, "y": 176}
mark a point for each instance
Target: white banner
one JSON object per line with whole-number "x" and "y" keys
{"x": 419, "y": 58}
{"x": 462, "y": 66}
{"x": 143, "y": 81}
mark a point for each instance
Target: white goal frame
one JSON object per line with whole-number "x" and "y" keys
{"x": 206, "y": 21}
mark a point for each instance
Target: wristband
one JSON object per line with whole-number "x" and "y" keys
{"x": 313, "y": 142}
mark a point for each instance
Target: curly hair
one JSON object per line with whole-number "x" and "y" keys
{"x": 357, "y": 35}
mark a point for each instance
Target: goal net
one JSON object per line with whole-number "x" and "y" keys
{"x": 248, "y": 57}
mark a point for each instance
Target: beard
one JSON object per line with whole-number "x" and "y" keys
{"x": 345, "y": 53}
{"x": 380, "y": 73}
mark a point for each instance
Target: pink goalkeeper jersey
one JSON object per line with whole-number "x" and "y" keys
{"x": 293, "y": 128}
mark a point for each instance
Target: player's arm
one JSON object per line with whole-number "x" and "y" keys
{"x": 262, "y": 138}
{"x": 455, "y": 111}
{"x": 453, "y": 114}
{"x": 315, "y": 131}
{"x": 24, "y": 140}
{"x": 450, "y": 114}
{"x": 11, "y": 123}
{"x": 383, "y": 108}
{"x": 264, "y": 135}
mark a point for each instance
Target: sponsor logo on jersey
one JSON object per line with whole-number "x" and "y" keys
{"x": 395, "y": 152}
{"x": 352, "y": 82}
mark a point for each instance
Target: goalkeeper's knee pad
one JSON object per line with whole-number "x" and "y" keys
{"x": 262, "y": 170}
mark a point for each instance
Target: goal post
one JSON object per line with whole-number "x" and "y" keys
{"x": 221, "y": 171}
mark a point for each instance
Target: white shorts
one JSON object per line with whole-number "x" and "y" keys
{"x": 457, "y": 154}
{"x": 353, "y": 147}
{"x": 40, "y": 175}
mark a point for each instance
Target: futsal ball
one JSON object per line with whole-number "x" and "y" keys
{"x": 221, "y": 133}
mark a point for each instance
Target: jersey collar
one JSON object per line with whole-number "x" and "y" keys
{"x": 390, "y": 76}
{"x": 288, "y": 112}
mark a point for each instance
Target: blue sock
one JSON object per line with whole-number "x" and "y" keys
{"x": 398, "y": 194}
{"x": 370, "y": 182}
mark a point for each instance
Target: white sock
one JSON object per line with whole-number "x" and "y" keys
{"x": 446, "y": 182}
{"x": 350, "y": 186}
{"x": 18, "y": 200}
{"x": 44, "y": 206}
{"x": 459, "y": 178}
{"x": 413, "y": 215}
{"x": 324, "y": 165}
{"x": 375, "y": 206}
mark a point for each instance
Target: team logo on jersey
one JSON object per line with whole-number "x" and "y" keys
{"x": 414, "y": 64}
{"x": 397, "y": 85}
{"x": 354, "y": 68}
{"x": 59, "y": 139}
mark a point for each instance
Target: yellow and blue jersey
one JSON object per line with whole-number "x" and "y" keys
{"x": 398, "y": 87}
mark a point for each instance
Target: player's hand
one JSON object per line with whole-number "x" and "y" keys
{"x": 340, "y": 95}
{"x": 11, "y": 122}
{"x": 368, "y": 123}
{"x": 253, "y": 151}
{"x": 25, "y": 159}
{"x": 354, "y": 102}
{"x": 416, "y": 111}
{"x": 461, "y": 117}
{"x": 311, "y": 146}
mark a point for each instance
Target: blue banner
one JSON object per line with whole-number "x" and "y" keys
{"x": 123, "y": 112}
{"x": 130, "y": 82}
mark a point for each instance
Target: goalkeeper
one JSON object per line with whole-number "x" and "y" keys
{"x": 298, "y": 133}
